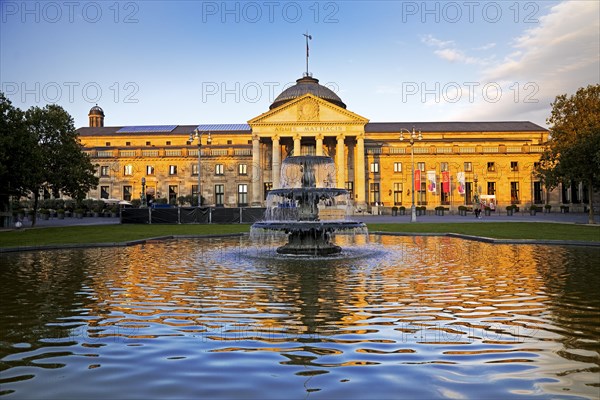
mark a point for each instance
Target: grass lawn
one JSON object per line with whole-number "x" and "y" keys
{"x": 108, "y": 233}
{"x": 124, "y": 233}
{"x": 501, "y": 230}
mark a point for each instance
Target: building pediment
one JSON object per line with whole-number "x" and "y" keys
{"x": 308, "y": 109}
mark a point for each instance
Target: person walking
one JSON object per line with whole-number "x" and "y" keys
{"x": 476, "y": 206}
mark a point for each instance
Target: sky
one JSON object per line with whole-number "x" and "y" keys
{"x": 201, "y": 62}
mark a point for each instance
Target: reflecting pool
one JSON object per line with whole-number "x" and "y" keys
{"x": 402, "y": 317}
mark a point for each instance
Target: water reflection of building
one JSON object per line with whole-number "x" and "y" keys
{"x": 428, "y": 283}
{"x": 242, "y": 162}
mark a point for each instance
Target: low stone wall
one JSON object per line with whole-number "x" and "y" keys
{"x": 192, "y": 215}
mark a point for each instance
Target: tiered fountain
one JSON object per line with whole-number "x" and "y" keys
{"x": 308, "y": 207}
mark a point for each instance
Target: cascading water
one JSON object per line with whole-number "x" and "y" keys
{"x": 308, "y": 208}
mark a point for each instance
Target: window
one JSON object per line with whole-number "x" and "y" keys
{"x": 267, "y": 186}
{"x": 229, "y": 142}
{"x": 242, "y": 195}
{"x": 397, "y": 194}
{"x": 491, "y": 166}
{"x": 104, "y": 192}
{"x": 104, "y": 170}
{"x": 514, "y": 193}
{"x": 421, "y": 166}
{"x": 468, "y": 167}
{"x": 149, "y": 170}
{"x": 514, "y": 166}
{"x": 173, "y": 194}
{"x": 168, "y": 143}
{"x": 127, "y": 143}
{"x": 250, "y": 141}
{"x": 375, "y": 167}
{"x": 565, "y": 194}
{"x": 397, "y": 167}
{"x": 537, "y": 193}
{"x": 172, "y": 169}
{"x": 374, "y": 191}
{"x": 128, "y": 170}
{"x": 219, "y": 169}
{"x": 444, "y": 196}
{"x": 243, "y": 169}
{"x": 107, "y": 144}
{"x": 585, "y": 191}
{"x": 219, "y": 195}
{"x": 194, "y": 195}
{"x": 195, "y": 169}
{"x": 444, "y": 167}
{"x": 491, "y": 188}
{"x": 422, "y": 194}
{"x": 148, "y": 144}
{"x": 469, "y": 192}
{"x": 127, "y": 193}
{"x": 575, "y": 198}
{"x": 350, "y": 189}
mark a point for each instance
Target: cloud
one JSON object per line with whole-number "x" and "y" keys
{"x": 486, "y": 47}
{"x": 557, "y": 56}
{"x": 429, "y": 40}
{"x": 454, "y": 55}
{"x": 447, "y": 50}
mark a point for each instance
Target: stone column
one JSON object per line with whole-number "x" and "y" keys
{"x": 256, "y": 172}
{"x": 359, "y": 171}
{"x": 276, "y": 162}
{"x": 297, "y": 148}
{"x": 319, "y": 147}
{"x": 340, "y": 161}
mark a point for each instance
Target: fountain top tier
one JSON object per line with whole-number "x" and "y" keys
{"x": 308, "y": 172}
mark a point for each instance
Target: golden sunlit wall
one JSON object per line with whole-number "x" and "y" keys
{"x": 170, "y": 162}
{"x": 506, "y": 171}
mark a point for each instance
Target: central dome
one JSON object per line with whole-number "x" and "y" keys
{"x": 304, "y": 85}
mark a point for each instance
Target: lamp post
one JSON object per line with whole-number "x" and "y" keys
{"x": 143, "y": 192}
{"x": 198, "y": 136}
{"x": 411, "y": 140}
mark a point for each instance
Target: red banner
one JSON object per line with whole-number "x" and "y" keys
{"x": 445, "y": 182}
{"x": 417, "y": 180}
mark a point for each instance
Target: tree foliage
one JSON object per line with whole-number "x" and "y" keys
{"x": 39, "y": 149}
{"x": 573, "y": 151}
{"x": 16, "y": 144}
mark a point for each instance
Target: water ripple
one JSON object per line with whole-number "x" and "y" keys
{"x": 423, "y": 316}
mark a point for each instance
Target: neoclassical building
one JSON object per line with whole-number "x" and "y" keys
{"x": 240, "y": 163}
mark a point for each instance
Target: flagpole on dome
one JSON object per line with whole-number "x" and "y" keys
{"x": 308, "y": 37}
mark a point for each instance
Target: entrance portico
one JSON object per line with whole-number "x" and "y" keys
{"x": 309, "y": 125}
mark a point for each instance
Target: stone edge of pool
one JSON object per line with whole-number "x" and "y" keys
{"x": 173, "y": 237}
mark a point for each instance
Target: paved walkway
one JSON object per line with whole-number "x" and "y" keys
{"x": 571, "y": 218}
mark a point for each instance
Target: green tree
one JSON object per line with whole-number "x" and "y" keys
{"x": 573, "y": 151}
{"x": 39, "y": 149}
{"x": 16, "y": 145}
{"x": 61, "y": 166}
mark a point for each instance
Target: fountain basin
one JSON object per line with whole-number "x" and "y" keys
{"x": 309, "y": 238}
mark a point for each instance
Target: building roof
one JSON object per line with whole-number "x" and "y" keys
{"x": 304, "y": 85}
{"x": 245, "y": 128}
{"x": 371, "y": 127}
{"x": 96, "y": 110}
{"x": 114, "y": 130}
{"x": 493, "y": 126}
